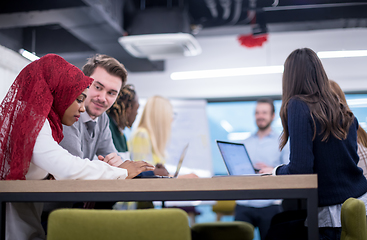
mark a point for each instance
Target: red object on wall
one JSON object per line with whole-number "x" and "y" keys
{"x": 251, "y": 41}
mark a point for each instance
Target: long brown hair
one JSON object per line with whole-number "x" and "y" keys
{"x": 362, "y": 136}
{"x": 361, "y": 133}
{"x": 304, "y": 78}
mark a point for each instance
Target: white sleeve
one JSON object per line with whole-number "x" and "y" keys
{"x": 51, "y": 157}
{"x": 274, "y": 172}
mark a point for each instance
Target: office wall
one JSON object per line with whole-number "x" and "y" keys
{"x": 11, "y": 63}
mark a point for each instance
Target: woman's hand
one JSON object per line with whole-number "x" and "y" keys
{"x": 134, "y": 168}
{"x": 264, "y": 168}
{"x": 112, "y": 159}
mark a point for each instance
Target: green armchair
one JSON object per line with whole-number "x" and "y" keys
{"x": 235, "y": 230}
{"x": 162, "y": 224}
{"x": 353, "y": 219}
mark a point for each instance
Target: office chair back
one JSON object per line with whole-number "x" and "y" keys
{"x": 353, "y": 219}
{"x": 236, "y": 230}
{"x": 162, "y": 224}
{"x": 224, "y": 208}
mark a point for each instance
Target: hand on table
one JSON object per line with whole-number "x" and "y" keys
{"x": 267, "y": 170}
{"x": 264, "y": 168}
{"x": 135, "y": 167}
{"x": 191, "y": 175}
{"x": 112, "y": 159}
{"x": 160, "y": 170}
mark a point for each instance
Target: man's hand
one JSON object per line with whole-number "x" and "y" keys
{"x": 135, "y": 168}
{"x": 112, "y": 159}
{"x": 160, "y": 170}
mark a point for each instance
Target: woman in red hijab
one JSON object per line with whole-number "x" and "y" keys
{"x": 46, "y": 94}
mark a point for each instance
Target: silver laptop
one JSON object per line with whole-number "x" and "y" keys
{"x": 182, "y": 157}
{"x": 236, "y": 158}
{"x": 183, "y": 154}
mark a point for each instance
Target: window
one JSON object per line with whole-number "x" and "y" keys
{"x": 235, "y": 121}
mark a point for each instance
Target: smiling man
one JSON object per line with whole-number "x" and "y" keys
{"x": 90, "y": 137}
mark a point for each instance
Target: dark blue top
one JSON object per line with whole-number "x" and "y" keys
{"x": 334, "y": 161}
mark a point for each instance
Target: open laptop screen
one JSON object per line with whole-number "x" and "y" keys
{"x": 183, "y": 154}
{"x": 236, "y": 158}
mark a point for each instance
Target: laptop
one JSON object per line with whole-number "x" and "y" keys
{"x": 183, "y": 154}
{"x": 236, "y": 158}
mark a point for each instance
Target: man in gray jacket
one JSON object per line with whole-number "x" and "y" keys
{"x": 90, "y": 137}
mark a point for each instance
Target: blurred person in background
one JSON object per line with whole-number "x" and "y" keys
{"x": 263, "y": 149}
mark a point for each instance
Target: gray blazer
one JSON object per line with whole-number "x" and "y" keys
{"x": 79, "y": 143}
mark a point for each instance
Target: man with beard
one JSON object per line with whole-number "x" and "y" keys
{"x": 263, "y": 148}
{"x": 91, "y": 136}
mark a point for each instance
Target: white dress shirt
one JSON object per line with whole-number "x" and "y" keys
{"x": 265, "y": 150}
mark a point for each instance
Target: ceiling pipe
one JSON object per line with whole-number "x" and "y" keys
{"x": 250, "y": 13}
{"x": 212, "y": 5}
{"x": 226, "y": 5}
{"x": 311, "y": 6}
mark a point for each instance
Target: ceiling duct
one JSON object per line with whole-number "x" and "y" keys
{"x": 161, "y": 46}
{"x": 160, "y": 33}
{"x": 159, "y": 20}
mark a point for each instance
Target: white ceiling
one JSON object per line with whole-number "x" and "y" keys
{"x": 225, "y": 52}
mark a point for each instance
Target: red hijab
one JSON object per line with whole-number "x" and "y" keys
{"x": 43, "y": 89}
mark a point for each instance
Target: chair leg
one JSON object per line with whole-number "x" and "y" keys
{"x": 219, "y": 216}
{"x": 192, "y": 217}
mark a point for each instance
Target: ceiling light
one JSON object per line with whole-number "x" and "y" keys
{"x": 229, "y": 72}
{"x": 341, "y": 54}
{"x": 28, "y": 55}
{"x": 357, "y": 103}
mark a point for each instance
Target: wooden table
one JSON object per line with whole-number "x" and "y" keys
{"x": 219, "y": 188}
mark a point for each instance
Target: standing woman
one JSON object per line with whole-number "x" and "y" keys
{"x": 323, "y": 138}
{"x": 47, "y": 93}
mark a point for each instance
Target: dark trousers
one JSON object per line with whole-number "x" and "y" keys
{"x": 259, "y": 217}
{"x": 329, "y": 233}
{"x": 290, "y": 225}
